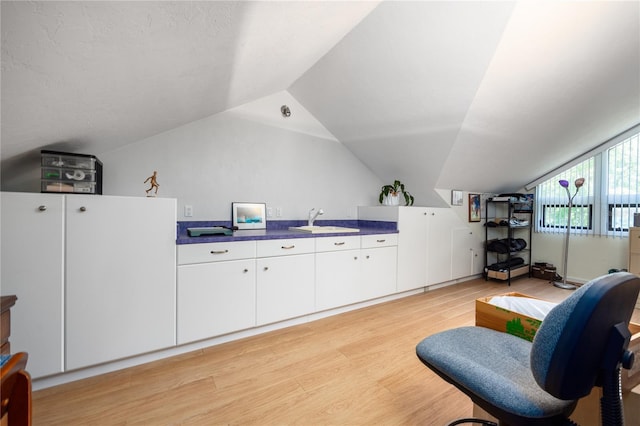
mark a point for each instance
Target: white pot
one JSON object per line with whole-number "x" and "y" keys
{"x": 391, "y": 200}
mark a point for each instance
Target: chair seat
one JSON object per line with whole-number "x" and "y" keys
{"x": 491, "y": 365}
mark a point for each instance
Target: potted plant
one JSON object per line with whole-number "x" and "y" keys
{"x": 390, "y": 194}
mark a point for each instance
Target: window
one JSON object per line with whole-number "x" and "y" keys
{"x": 623, "y": 186}
{"x": 606, "y": 204}
{"x": 553, "y": 200}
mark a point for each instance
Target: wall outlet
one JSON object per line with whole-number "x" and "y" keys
{"x": 188, "y": 211}
{"x": 278, "y": 211}
{"x": 269, "y": 212}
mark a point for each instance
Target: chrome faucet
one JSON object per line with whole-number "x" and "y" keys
{"x": 313, "y": 214}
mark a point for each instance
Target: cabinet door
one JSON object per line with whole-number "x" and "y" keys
{"x": 32, "y": 269}
{"x": 379, "y": 268}
{"x": 285, "y": 287}
{"x": 215, "y": 298}
{"x": 412, "y": 248}
{"x": 441, "y": 222}
{"x": 120, "y": 270}
{"x": 337, "y": 278}
{"x": 462, "y": 252}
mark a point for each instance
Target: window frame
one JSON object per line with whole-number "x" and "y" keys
{"x": 601, "y": 203}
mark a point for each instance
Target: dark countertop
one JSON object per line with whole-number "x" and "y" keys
{"x": 279, "y": 229}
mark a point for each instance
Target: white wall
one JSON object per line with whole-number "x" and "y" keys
{"x": 589, "y": 257}
{"x": 231, "y": 157}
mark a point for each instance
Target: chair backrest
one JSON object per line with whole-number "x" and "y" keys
{"x": 15, "y": 391}
{"x": 568, "y": 350}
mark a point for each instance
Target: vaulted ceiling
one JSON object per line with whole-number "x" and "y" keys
{"x": 481, "y": 95}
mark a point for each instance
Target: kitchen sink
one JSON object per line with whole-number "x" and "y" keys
{"x": 323, "y": 229}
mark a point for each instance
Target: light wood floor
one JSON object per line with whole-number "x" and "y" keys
{"x": 351, "y": 369}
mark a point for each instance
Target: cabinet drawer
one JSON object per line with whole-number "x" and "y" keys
{"x": 382, "y": 240}
{"x": 214, "y": 252}
{"x": 268, "y": 248}
{"x": 337, "y": 243}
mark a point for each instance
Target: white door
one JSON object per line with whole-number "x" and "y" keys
{"x": 337, "y": 278}
{"x": 215, "y": 298}
{"x": 284, "y": 287}
{"x": 412, "y": 248}
{"x": 462, "y": 252}
{"x": 379, "y": 267}
{"x": 441, "y": 222}
{"x": 121, "y": 277}
{"x": 32, "y": 269}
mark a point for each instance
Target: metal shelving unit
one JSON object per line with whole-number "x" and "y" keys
{"x": 508, "y": 223}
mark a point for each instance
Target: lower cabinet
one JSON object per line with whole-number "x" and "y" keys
{"x": 337, "y": 278}
{"x": 215, "y": 298}
{"x": 232, "y": 286}
{"x": 378, "y": 275}
{"x": 284, "y": 279}
{"x": 216, "y": 289}
{"x": 285, "y": 288}
{"x": 346, "y": 274}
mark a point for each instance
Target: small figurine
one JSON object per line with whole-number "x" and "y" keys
{"x": 154, "y": 184}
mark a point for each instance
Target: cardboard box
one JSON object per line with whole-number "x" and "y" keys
{"x": 501, "y": 319}
{"x": 504, "y": 275}
{"x": 631, "y": 378}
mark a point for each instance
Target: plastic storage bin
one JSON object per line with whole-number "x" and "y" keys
{"x": 73, "y": 173}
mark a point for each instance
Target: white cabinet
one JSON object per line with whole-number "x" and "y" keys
{"x": 347, "y": 274}
{"x": 216, "y": 289}
{"x": 337, "y": 271}
{"x": 285, "y": 279}
{"x": 32, "y": 255}
{"x": 94, "y": 277}
{"x": 120, "y": 277}
{"x": 379, "y": 259}
{"x": 434, "y": 244}
{"x": 412, "y": 248}
{"x": 440, "y": 225}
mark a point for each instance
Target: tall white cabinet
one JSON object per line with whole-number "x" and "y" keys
{"x": 32, "y": 268}
{"x": 94, "y": 276}
{"x": 120, "y": 277}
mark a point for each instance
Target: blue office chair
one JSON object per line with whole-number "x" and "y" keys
{"x": 582, "y": 343}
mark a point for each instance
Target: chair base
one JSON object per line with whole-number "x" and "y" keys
{"x": 564, "y": 285}
{"x": 473, "y": 420}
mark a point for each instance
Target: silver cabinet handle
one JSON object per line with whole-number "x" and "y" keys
{"x": 266, "y": 268}
{"x": 380, "y": 241}
{"x": 368, "y": 256}
{"x": 42, "y": 208}
{"x": 83, "y": 209}
{"x": 219, "y": 251}
{"x": 245, "y": 270}
{"x": 288, "y": 247}
{"x": 355, "y": 257}
{"x": 339, "y": 244}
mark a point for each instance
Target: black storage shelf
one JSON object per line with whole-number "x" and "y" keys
{"x": 514, "y": 261}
